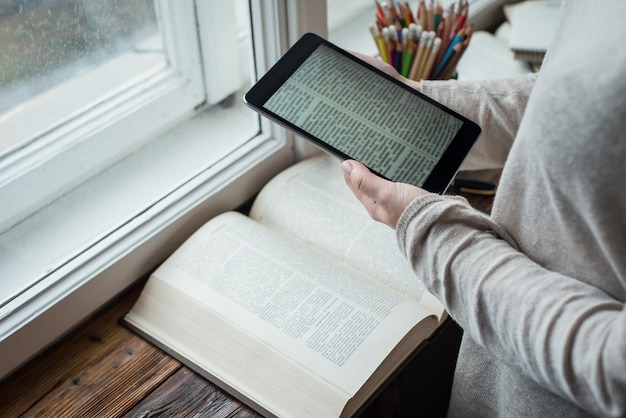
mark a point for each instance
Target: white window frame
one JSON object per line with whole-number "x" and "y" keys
{"x": 91, "y": 278}
{"x": 58, "y": 146}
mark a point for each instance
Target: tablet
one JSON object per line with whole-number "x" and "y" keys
{"x": 355, "y": 111}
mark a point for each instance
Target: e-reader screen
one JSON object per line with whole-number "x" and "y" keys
{"x": 356, "y": 111}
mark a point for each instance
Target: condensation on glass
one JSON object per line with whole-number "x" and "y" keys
{"x": 46, "y": 42}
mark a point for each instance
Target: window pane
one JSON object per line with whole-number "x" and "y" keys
{"x": 92, "y": 212}
{"x": 46, "y": 42}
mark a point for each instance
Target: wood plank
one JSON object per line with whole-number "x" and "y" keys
{"x": 186, "y": 394}
{"x": 67, "y": 359}
{"x": 110, "y": 386}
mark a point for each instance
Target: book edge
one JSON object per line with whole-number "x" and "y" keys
{"x": 237, "y": 395}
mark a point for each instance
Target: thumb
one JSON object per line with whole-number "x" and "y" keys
{"x": 371, "y": 190}
{"x": 383, "y": 199}
{"x": 362, "y": 182}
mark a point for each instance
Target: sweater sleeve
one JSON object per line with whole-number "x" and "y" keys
{"x": 567, "y": 335}
{"x": 496, "y": 105}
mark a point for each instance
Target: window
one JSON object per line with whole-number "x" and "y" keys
{"x": 73, "y": 76}
{"x": 109, "y": 164}
{"x": 45, "y": 44}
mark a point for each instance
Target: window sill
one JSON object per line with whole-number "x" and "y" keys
{"x": 78, "y": 252}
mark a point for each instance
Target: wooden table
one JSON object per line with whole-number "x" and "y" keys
{"x": 104, "y": 370}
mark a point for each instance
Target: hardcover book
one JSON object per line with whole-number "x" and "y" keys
{"x": 304, "y": 307}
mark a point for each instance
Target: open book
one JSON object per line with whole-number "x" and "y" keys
{"x": 303, "y": 308}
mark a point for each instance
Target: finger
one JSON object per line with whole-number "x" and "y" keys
{"x": 384, "y": 200}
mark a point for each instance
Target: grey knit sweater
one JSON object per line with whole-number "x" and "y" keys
{"x": 539, "y": 287}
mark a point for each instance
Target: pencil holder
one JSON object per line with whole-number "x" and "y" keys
{"x": 426, "y": 45}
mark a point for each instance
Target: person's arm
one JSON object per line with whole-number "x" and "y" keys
{"x": 565, "y": 334}
{"x": 568, "y": 336}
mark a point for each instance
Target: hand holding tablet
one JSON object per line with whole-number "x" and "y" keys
{"x": 356, "y": 111}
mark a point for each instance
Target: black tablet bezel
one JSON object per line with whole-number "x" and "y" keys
{"x": 445, "y": 169}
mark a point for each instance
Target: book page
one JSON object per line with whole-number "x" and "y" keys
{"x": 315, "y": 313}
{"x": 372, "y": 120}
{"x": 311, "y": 202}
